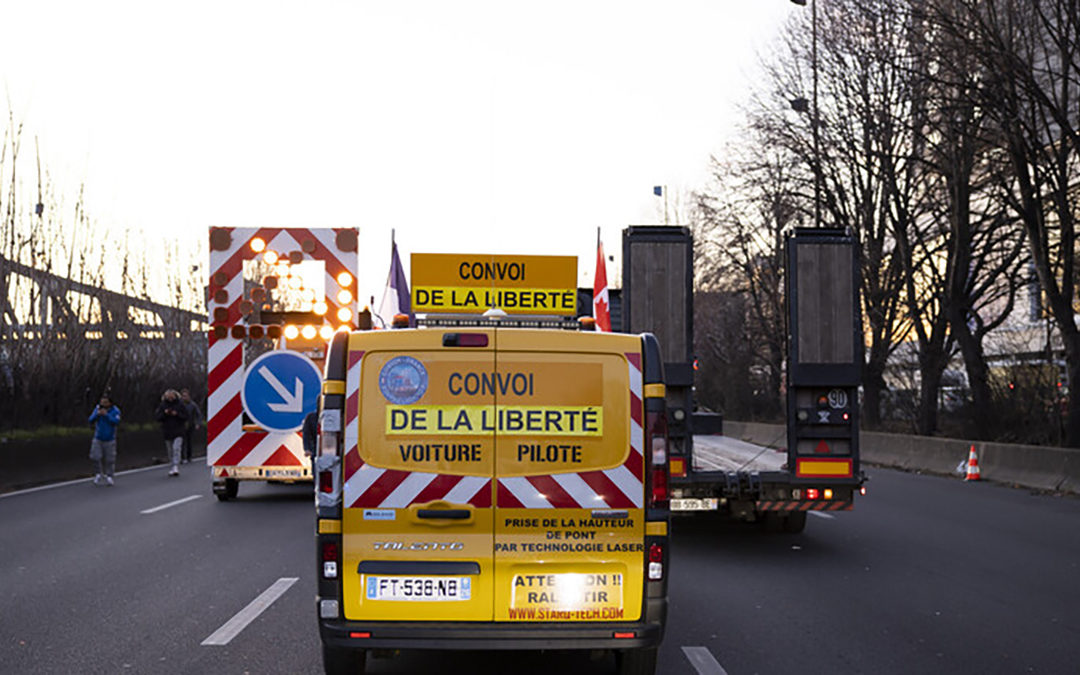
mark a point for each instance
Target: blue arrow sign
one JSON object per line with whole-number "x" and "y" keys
{"x": 280, "y": 389}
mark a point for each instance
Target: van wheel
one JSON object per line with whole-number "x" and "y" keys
{"x": 795, "y": 522}
{"x": 636, "y": 661}
{"x": 339, "y": 661}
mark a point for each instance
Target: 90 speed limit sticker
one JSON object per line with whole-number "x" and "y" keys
{"x": 838, "y": 399}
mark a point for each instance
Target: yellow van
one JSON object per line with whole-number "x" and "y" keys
{"x": 492, "y": 487}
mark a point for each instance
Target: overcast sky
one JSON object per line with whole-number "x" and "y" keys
{"x": 502, "y": 127}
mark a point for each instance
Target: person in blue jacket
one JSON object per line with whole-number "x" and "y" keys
{"x": 105, "y": 419}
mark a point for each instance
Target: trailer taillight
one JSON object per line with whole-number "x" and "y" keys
{"x": 656, "y": 562}
{"x": 678, "y": 467}
{"x": 329, "y": 442}
{"x": 326, "y": 481}
{"x": 812, "y": 493}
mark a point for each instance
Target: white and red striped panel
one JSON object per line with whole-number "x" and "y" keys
{"x": 620, "y": 488}
{"x": 227, "y": 443}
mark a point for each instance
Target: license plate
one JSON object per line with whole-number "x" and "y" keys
{"x": 284, "y": 473}
{"x": 422, "y": 589}
{"x": 708, "y": 504}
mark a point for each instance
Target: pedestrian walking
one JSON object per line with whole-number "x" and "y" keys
{"x": 105, "y": 418}
{"x": 173, "y": 416}
{"x": 194, "y": 421}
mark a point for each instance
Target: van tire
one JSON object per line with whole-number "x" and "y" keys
{"x": 795, "y": 523}
{"x": 640, "y": 661}
{"x": 340, "y": 661}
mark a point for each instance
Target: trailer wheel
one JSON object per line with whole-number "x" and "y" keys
{"x": 795, "y": 523}
{"x": 340, "y": 661}
{"x": 231, "y": 489}
{"x": 772, "y": 522}
{"x": 640, "y": 661}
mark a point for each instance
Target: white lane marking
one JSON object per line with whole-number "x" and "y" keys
{"x": 171, "y": 504}
{"x": 232, "y": 627}
{"x": 50, "y": 486}
{"x": 822, "y": 514}
{"x": 703, "y": 661}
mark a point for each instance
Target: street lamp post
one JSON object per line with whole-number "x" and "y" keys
{"x": 800, "y": 105}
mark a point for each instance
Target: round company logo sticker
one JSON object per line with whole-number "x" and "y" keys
{"x": 403, "y": 380}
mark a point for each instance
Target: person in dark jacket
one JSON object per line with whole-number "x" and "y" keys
{"x": 105, "y": 419}
{"x": 193, "y": 422}
{"x": 173, "y": 417}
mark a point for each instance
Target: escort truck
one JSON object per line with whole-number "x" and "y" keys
{"x": 276, "y": 295}
{"x": 492, "y": 481}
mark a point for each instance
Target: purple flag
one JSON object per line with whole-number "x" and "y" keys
{"x": 395, "y": 299}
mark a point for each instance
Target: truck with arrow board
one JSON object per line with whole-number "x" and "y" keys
{"x": 276, "y": 297}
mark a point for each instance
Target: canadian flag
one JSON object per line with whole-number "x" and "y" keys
{"x": 601, "y": 307}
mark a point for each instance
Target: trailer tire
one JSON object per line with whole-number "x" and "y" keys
{"x": 641, "y": 661}
{"x": 794, "y": 523}
{"x": 772, "y": 522}
{"x": 340, "y": 661}
{"x": 231, "y": 489}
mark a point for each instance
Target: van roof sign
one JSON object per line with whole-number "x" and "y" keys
{"x": 451, "y": 283}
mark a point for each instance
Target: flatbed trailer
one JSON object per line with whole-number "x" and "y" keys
{"x": 752, "y": 483}
{"x": 818, "y": 465}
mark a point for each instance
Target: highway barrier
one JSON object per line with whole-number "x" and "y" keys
{"x": 1031, "y": 466}
{"x": 28, "y": 463}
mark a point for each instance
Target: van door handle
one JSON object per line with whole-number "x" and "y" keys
{"x": 443, "y": 514}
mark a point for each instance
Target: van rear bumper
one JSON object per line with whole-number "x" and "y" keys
{"x": 493, "y": 635}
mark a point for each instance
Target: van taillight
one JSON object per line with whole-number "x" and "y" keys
{"x": 329, "y": 550}
{"x": 330, "y": 559}
{"x": 326, "y": 481}
{"x": 656, "y": 562}
{"x": 660, "y": 486}
{"x": 658, "y": 496}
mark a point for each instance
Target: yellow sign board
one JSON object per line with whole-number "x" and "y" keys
{"x": 450, "y": 283}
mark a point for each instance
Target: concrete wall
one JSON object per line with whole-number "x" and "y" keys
{"x": 1032, "y": 466}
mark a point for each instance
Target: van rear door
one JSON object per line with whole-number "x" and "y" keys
{"x": 569, "y": 514}
{"x": 417, "y": 522}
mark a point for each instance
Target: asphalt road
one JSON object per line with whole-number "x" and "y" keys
{"x": 927, "y": 575}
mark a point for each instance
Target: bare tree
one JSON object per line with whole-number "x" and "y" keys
{"x": 742, "y": 218}
{"x": 1029, "y": 53}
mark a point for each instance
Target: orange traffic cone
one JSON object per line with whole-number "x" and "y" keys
{"x": 972, "y": 466}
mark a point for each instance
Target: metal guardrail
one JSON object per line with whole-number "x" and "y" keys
{"x": 55, "y": 316}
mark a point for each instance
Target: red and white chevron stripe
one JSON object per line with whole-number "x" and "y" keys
{"x": 227, "y": 443}
{"x": 620, "y": 488}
